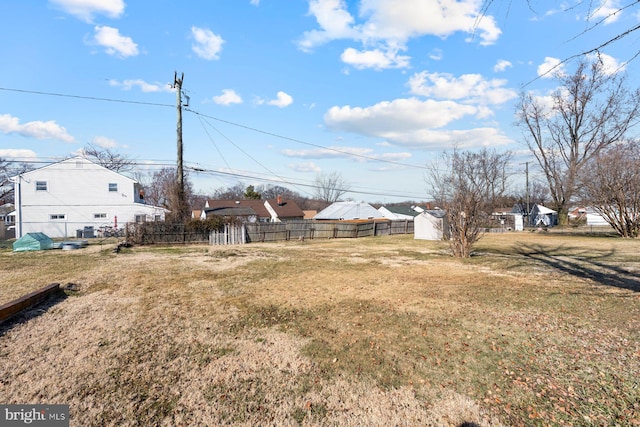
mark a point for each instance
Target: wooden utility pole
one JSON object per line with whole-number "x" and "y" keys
{"x": 177, "y": 85}
{"x": 181, "y": 208}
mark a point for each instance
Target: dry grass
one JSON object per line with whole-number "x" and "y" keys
{"x": 534, "y": 330}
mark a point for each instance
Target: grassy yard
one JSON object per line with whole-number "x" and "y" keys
{"x": 535, "y": 329}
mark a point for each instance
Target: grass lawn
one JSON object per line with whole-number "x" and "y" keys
{"x": 535, "y": 329}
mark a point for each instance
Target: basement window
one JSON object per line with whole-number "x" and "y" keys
{"x": 99, "y": 215}
{"x": 58, "y": 217}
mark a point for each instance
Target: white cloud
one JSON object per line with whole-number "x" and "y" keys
{"x": 334, "y": 20}
{"x": 436, "y": 54}
{"x": 389, "y": 24}
{"x": 114, "y": 43}
{"x": 609, "y": 10}
{"x": 86, "y": 9}
{"x": 283, "y": 100}
{"x": 255, "y": 2}
{"x": 17, "y": 153}
{"x": 104, "y": 142}
{"x": 385, "y": 117}
{"x": 471, "y": 88}
{"x": 502, "y": 65}
{"x": 376, "y": 59}
{"x": 144, "y": 86}
{"x": 415, "y": 123}
{"x": 550, "y": 68}
{"x": 305, "y": 167}
{"x": 360, "y": 154}
{"x": 610, "y": 65}
{"x": 207, "y": 44}
{"x": 35, "y": 129}
{"x": 228, "y": 97}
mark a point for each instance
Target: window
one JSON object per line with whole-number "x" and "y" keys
{"x": 157, "y": 218}
{"x": 113, "y": 186}
{"x": 41, "y": 185}
{"x": 99, "y": 215}
{"x": 57, "y": 217}
{"x": 141, "y": 218}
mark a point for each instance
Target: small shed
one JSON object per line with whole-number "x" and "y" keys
{"x": 541, "y": 216}
{"x": 431, "y": 225}
{"x": 33, "y": 242}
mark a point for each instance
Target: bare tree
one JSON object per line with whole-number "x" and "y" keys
{"x": 589, "y": 112}
{"x": 7, "y": 170}
{"x": 235, "y": 192}
{"x": 330, "y": 186}
{"x": 610, "y": 183}
{"x": 467, "y": 185}
{"x": 162, "y": 190}
{"x": 595, "y": 19}
{"x": 108, "y": 158}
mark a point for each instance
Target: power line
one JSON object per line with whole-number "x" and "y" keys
{"x": 90, "y": 98}
{"x": 298, "y": 141}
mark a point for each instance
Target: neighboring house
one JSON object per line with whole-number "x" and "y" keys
{"x": 400, "y": 212}
{"x": 589, "y": 214}
{"x": 7, "y": 215}
{"x": 541, "y": 216}
{"x": 275, "y": 210}
{"x": 284, "y": 210}
{"x": 506, "y": 218}
{"x": 342, "y": 211}
{"x": 431, "y": 224}
{"x": 64, "y": 197}
{"x": 309, "y": 214}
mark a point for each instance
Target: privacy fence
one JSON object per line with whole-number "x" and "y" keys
{"x": 231, "y": 234}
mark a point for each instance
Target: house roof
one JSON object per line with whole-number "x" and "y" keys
{"x": 437, "y": 213}
{"x": 402, "y": 210}
{"x": 543, "y": 210}
{"x": 257, "y": 205}
{"x": 286, "y": 208}
{"x": 230, "y": 211}
{"x": 74, "y": 160}
{"x": 349, "y": 210}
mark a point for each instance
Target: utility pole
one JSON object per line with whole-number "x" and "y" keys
{"x": 177, "y": 85}
{"x": 527, "y": 184}
{"x": 181, "y": 199}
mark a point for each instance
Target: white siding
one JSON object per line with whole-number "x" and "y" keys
{"x": 79, "y": 190}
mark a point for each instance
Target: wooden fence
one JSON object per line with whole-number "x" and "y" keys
{"x": 297, "y": 230}
{"x": 232, "y": 234}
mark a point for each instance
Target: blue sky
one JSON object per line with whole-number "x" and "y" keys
{"x": 281, "y": 90}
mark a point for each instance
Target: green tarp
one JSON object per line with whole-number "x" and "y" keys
{"x": 32, "y": 242}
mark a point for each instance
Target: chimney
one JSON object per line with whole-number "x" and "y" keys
{"x": 279, "y": 200}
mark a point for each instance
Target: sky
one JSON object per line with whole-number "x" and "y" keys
{"x": 280, "y": 91}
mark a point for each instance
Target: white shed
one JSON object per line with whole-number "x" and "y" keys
{"x": 431, "y": 225}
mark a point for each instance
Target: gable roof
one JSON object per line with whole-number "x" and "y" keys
{"x": 286, "y": 208}
{"x": 349, "y": 210}
{"x": 256, "y": 205}
{"x": 230, "y": 211}
{"x": 72, "y": 164}
{"x": 402, "y": 210}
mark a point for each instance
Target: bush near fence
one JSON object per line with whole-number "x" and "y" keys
{"x": 167, "y": 233}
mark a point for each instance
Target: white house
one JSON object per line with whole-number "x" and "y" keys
{"x": 349, "y": 210}
{"x": 542, "y": 216}
{"x": 400, "y": 212}
{"x": 431, "y": 225}
{"x": 67, "y": 196}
